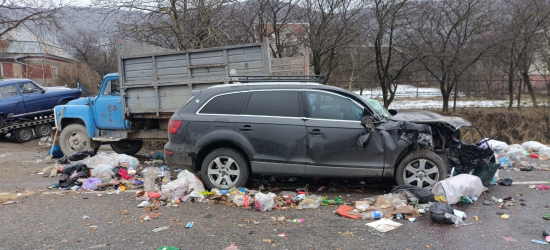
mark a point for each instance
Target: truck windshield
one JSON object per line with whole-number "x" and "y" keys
{"x": 378, "y": 107}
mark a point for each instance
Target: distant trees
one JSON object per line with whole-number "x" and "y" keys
{"x": 35, "y": 14}
{"x": 461, "y": 45}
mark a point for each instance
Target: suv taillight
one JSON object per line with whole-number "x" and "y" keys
{"x": 173, "y": 126}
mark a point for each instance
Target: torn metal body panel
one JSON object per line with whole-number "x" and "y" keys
{"x": 427, "y": 117}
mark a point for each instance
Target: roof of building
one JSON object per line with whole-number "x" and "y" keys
{"x": 27, "y": 43}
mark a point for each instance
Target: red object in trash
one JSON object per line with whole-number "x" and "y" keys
{"x": 542, "y": 187}
{"x": 343, "y": 211}
{"x": 154, "y": 195}
{"x": 534, "y": 156}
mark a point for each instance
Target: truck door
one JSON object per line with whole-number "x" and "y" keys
{"x": 107, "y": 107}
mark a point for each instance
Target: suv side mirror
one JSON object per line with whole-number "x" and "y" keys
{"x": 392, "y": 111}
{"x": 367, "y": 123}
{"x": 43, "y": 90}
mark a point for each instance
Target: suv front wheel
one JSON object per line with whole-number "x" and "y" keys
{"x": 224, "y": 168}
{"x": 421, "y": 168}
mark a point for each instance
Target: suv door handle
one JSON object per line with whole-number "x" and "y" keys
{"x": 247, "y": 128}
{"x": 316, "y": 132}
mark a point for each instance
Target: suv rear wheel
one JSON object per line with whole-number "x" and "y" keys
{"x": 421, "y": 168}
{"x": 224, "y": 168}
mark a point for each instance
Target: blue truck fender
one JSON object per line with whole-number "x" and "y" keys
{"x": 77, "y": 112}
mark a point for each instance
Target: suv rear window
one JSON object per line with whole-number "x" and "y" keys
{"x": 229, "y": 104}
{"x": 274, "y": 103}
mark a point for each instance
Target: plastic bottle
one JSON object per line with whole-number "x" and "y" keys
{"x": 371, "y": 215}
{"x": 398, "y": 216}
{"x": 158, "y": 229}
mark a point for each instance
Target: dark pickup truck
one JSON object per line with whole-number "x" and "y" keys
{"x": 23, "y": 99}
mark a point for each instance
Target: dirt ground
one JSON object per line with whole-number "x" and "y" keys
{"x": 42, "y": 218}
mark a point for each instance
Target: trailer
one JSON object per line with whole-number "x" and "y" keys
{"x": 24, "y": 130}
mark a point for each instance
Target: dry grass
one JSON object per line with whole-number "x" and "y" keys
{"x": 514, "y": 126}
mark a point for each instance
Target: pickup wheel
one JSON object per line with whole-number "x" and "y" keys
{"x": 43, "y": 130}
{"x": 422, "y": 168}
{"x": 23, "y": 134}
{"x": 74, "y": 138}
{"x": 127, "y": 147}
{"x": 1, "y": 121}
{"x": 224, "y": 168}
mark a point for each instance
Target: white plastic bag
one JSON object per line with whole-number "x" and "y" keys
{"x": 458, "y": 186}
{"x": 150, "y": 175}
{"x": 238, "y": 200}
{"x": 263, "y": 202}
{"x": 194, "y": 183}
{"x": 497, "y": 146}
{"x": 532, "y": 145}
{"x": 101, "y": 158}
{"x": 175, "y": 189}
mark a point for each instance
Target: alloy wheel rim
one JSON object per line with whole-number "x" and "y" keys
{"x": 223, "y": 171}
{"x": 421, "y": 172}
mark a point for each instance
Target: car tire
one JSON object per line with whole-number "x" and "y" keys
{"x": 74, "y": 138}
{"x": 127, "y": 147}
{"x": 1, "y": 121}
{"x": 23, "y": 134}
{"x": 224, "y": 168}
{"x": 421, "y": 168}
{"x": 43, "y": 130}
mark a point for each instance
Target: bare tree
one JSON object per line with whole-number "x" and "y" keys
{"x": 331, "y": 25}
{"x": 447, "y": 37}
{"x": 33, "y": 14}
{"x": 276, "y": 19}
{"x": 87, "y": 46}
{"x": 179, "y": 24}
{"x": 391, "y": 60}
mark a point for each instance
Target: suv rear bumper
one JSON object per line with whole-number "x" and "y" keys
{"x": 179, "y": 156}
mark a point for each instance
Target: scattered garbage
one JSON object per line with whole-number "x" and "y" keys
{"x": 384, "y": 225}
{"x": 159, "y": 229}
{"x": 539, "y": 242}
{"x": 439, "y": 210}
{"x": 509, "y": 239}
{"x": 546, "y": 232}
{"x": 423, "y": 195}
{"x": 505, "y": 182}
{"x": 505, "y": 216}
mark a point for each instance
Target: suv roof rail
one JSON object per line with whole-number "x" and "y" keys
{"x": 252, "y": 79}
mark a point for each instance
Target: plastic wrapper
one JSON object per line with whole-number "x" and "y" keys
{"x": 150, "y": 175}
{"x": 264, "y": 202}
{"x": 100, "y": 168}
{"x": 91, "y": 183}
{"x": 101, "y": 159}
{"x": 311, "y": 201}
{"x": 175, "y": 189}
{"x": 497, "y": 146}
{"x": 396, "y": 200}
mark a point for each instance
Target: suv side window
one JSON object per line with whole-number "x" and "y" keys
{"x": 323, "y": 105}
{"x": 229, "y": 104}
{"x": 8, "y": 91}
{"x": 274, "y": 103}
{"x": 28, "y": 88}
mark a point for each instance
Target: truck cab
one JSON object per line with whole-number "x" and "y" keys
{"x": 88, "y": 122}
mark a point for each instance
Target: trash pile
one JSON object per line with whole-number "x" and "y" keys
{"x": 514, "y": 157}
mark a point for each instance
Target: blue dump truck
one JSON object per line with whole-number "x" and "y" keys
{"x": 135, "y": 104}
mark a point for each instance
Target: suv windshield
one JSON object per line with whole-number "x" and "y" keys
{"x": 379, "y": 108}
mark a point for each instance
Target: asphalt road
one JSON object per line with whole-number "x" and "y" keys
{"x": 43, "y": 219}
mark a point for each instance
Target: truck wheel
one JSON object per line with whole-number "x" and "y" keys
{"x": 1, "y": 121}
{"x": 23, "y": 134}
{"x": 421, "y": 168}
{"x": 74, "y": 138}
{"x": 43, "y": 130}
{"x": 127, "y": 147}
{"x": 224, "y": 168}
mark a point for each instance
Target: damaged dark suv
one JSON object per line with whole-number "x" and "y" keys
{"x": 231, "y": 131}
